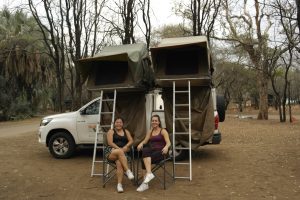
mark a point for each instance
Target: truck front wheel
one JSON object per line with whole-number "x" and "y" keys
{"x": 61, "y": 145}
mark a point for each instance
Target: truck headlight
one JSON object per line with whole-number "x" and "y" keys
{"x": 45, "y": 121}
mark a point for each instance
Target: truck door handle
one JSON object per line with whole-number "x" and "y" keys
{"x": 80, "y": 121}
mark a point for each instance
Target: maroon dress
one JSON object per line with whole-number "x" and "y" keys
{"x": 154, "y": 148}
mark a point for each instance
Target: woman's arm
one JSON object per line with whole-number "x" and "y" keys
{"x": 130, "y": 141}
{"x": 144, "y": 141}
{"x": 109, "y": 137}
{"x": 167, "y": 140}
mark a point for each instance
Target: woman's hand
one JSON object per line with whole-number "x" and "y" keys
{"x": 165, "y": 150}
{"x": 140, "y": 146}
{"x": 125, "y": 148}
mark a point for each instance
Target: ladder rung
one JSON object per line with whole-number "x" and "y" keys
{"x": 176, "y": 163}
{"x": 101, "y": 131}
{"x": 182, "y": 91}
{"x": 182, "y": 133}
{"x": 183, "y": 148}
{"x": 181, "y": 104}
{"x": 107, "y": 99}
{"x": 182, "y": 118}
{"x": 102, "y": 113}
{"x": 97, "y": 174}
{"x": 98, "y": 161}
{"x": 186, "y": 177}
{"x": 104, "y": 126}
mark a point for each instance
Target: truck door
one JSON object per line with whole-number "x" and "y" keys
{"x": 87, "y": 121}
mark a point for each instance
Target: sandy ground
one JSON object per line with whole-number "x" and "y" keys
{"x": 256, "y": 160}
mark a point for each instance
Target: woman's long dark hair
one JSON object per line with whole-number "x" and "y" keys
{"x": 121, "y": 118}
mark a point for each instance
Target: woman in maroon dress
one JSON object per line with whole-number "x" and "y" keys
{"x": 155, "y": 145}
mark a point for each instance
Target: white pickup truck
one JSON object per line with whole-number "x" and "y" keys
{"x": 63, "y": 133}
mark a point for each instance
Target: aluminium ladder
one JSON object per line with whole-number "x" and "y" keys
{"x": 100, "y": 127}
{"x": 175, "y": 133}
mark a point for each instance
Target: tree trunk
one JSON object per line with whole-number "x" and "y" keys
{"x": 298, "y": 13}
{"x": 263, "y": 96}
{"x": 60, "y": 84}
{"x": 240, "y": 107}
{"x": 194, "y": 13}
{"x": 146, "y": 20}
{"x": 78, "y": 88}
{"x": 289, "y": 102}
{"x": 128, "y": 23}
{"x": 284, "y": 112}
{"x": 280, "y": 111}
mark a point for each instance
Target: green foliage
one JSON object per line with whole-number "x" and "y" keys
{"x": 24, "y": 66}
{"x": 4, "y": 98}
{"x": 169, "y": 31}
{"x": 20, "y": 108}
{"x": 236, "y": 82}
{"x": 279, "y": 72}
{"x": 12, "y": 108}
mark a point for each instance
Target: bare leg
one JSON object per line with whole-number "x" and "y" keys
{"x": 118, "y": 154}
{"x": 147, "y": 176}
{"x": 120, "y": 171}
{"x": 147, "y": 162}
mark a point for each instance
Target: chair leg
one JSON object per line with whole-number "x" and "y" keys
{"x": 164, "y": 167}
{"x": 163, "y": 180}
{"x": 104, "y": 176}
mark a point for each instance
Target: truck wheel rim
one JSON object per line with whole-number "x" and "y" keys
{"x": 60, "y": 146}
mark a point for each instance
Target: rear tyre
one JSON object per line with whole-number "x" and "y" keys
{"x": 221, "y": 108}
{"x": 216, "y": 139}
{"x": 180, "y": 154}
{"x": 61, "y": 145}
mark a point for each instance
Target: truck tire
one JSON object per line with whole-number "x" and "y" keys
{"x": 221, "y": 108}
{"x": 61, "y": 145}
{"x": 180, "y": 154}
{"x": 217, "y": 138}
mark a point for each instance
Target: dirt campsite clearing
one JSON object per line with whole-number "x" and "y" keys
{"x": 255, "y": 160}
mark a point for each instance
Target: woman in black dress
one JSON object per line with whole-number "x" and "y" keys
{"x": 119, "y": 141}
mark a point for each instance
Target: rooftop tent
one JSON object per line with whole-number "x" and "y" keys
{"x": 126, "y": 68}
{"x": 120, "y": 67}
{"x": 184, "y": 58}
{"x": 179, "y": 60}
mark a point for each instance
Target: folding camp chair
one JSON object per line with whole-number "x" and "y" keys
{"x": 110, "y": 167}
{"x": 156, "y": 166}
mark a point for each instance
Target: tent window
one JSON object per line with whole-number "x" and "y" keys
{"x": 106, "y": 72}
{"x": 185, "y": 61}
